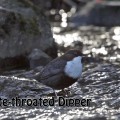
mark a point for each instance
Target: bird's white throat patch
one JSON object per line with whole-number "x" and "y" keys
{"x": 73, "y": 68}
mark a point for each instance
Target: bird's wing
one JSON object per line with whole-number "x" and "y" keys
{"x": 54, "y": 67}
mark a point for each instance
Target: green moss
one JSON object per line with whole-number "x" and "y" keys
{"x": 2, "y": 87}
{"x": 9, "y": 21}
{"x": 34, "y": 27}
{"x": 22, "y": 23}
{"x": 28, "y": 3}
{"x": 25, "y": 88}
{"x": 28, "y": 25}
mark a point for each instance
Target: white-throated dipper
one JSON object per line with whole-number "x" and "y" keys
{"x": 62, "y": 71}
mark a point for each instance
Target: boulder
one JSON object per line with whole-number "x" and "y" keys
{"x": 23, "y": 27}
{"x": 20, "y": 87}
{"x": 38, "y": 58}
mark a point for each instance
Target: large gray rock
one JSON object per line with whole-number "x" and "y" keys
{"x": 38, "y": 58}
{"x": 100, "y": 83}
{"x": 21, "y": 87}
{"x": 23, "y": 27}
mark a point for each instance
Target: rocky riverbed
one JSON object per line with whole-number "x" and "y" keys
{"x": 100, "y": 80}
{"x": 27, "y": 44}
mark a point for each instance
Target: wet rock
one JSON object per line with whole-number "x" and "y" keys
{"x": 20, "y": 87}
{"x": 102, "y": 80}
{"x": 17, "y": 62}
{"x": 92, "y": 118}
{"x": 23, "y": 27}
{"x": 103, "y": 73}
{"x": 103, "y": 90}
{"x": 38, "y": 58}
{"x": 30, "y": 74}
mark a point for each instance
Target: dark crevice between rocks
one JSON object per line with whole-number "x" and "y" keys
{"x": 11, "y": 63}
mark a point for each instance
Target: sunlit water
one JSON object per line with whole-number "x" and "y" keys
{"x": 97, "y": 41}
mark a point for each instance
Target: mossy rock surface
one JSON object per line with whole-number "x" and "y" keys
{"x": 23, "y": 27}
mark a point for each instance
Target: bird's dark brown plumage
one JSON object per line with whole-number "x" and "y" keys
{"x": 53, "y": 74}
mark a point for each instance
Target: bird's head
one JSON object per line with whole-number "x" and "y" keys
{"x": 71, "y": 54}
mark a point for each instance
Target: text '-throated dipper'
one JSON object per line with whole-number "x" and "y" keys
{"x": 62, "y": 71}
